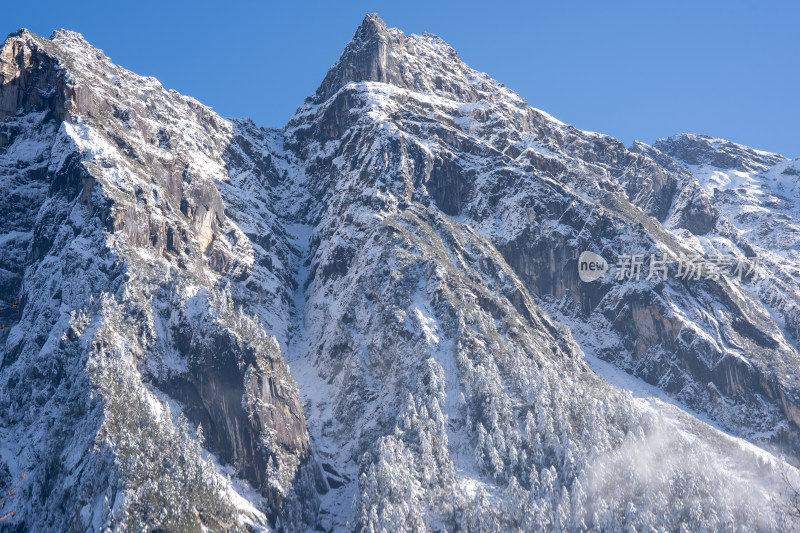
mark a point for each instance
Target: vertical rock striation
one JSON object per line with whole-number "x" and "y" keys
{"x": 408, "y": 243}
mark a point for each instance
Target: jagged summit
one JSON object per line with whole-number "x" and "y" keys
{"x": 372, "y": 24}
{"x": 367, "y": 57}
{"x": 698, "y": 149}
{"x": 30, "y": 77}
{"x": 22, "y": 32}
{"x": 423, "y": 63}
{"x": 74, "y": 39}
{"x": 61, "y": 35}
{"x": 64, "y": 34}
{"x": 409, "y": 244}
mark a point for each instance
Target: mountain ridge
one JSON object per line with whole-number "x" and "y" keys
{"x": 407, "y": 243}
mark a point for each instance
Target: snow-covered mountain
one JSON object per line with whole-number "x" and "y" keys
{"x": 373, "y": 318}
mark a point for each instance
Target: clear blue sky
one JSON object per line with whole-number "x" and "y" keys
{"x": 635, "y": 70}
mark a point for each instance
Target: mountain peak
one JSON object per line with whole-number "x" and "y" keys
{"x": 698, "y": 149}
{"x": 365, "y": 58}
{"x": 422, "y": 63}
{"x": 29, "y": 77}
{"x": 371, "y": 25}
{"x": 413, "y": 247}
{"x": 20, "y": 33}
{"x": 69, "y": 36}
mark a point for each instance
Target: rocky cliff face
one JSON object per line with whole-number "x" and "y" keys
{"x": 372, "y": 318}
{"x": 123, "y": 262}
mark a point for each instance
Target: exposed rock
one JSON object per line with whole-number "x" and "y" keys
{"x": 408, "y": 243}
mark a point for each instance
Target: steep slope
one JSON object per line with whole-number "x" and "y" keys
{"x": 444, "y": 214}
{"x": 408, "y": 243}
{"x": 757, "y": 191}
{"x": 123, "y": 262}
{"x": 542, "y": 192}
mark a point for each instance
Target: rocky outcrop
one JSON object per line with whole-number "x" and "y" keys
{"x": 32, "y": 80}
{"x": 695, "y": 149}
{"x": 113, "y": 204}
{"x": 408, "y": 243}
{"x": 380, "y": 54}
{"x": 242, "y": 395}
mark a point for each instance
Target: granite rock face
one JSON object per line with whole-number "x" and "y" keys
{"x": 32, "y": 79}
{"x": 117, "y": 205}
{"x": 372, "y": 318}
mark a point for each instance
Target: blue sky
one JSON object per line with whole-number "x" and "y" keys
{"x": 635, "y": 70}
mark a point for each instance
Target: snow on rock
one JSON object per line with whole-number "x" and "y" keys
{"x": 371, "y": 319}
